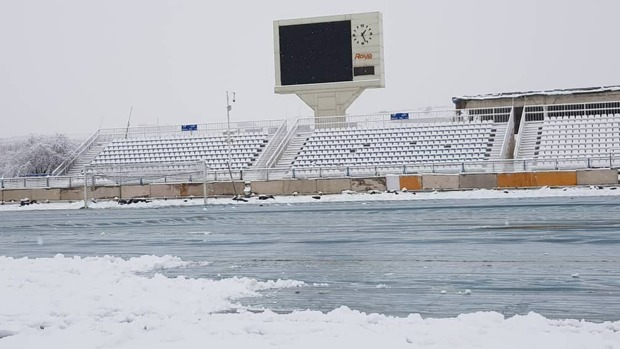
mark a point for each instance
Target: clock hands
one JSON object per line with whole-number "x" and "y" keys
{"x": 365, "y": 36}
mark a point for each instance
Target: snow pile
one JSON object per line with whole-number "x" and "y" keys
{"x": 104, "y": 302}
{"x": 345, "y": 197}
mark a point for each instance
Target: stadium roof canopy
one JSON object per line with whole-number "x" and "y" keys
{"x": 555, "y": 96}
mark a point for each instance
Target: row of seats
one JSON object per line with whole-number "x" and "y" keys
{"x": 593, "y": 117}
{"x": 457, "y": 141}
{"x": 390, "y": 149}
{"x": 388, "y": 161}
{"x": 186, "y": 144}
{"x": 192, "y": 150}
{"x": 393, "y": 145}
{"x": 184, "y": 138}
{"x": 578, "y": 136}
{"x": 406, "y": 129}
{"x": 243, "y": 150}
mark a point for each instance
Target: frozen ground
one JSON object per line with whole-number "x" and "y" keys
{"x": 108, "y": 302}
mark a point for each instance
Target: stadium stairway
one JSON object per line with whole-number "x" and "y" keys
{"x": 498, "y": 141}
{"x": 85, "y": 159}
{"x": 530, "y": 140}
{"x": 293, "y": 148}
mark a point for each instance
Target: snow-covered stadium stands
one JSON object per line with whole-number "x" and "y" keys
{"x": 579, "y": 136}
{"x": 156, "y": 147}
{"x": 400, "y": 144}
{"x": 438, "y": 141}
{"x": 571, "y": 131}
{"x": 245, "y": 149}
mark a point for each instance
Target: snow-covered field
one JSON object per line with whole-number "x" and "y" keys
{"x": 108, "y": 302}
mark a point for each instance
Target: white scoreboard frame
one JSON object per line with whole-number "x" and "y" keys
{"x": 364, "y": 52}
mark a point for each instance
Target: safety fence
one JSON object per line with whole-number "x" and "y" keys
{"x": 198, "y": 172}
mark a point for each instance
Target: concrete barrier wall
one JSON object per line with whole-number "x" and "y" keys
{"x": 333, "y": 186}
{"x": 32, "y": 194}
{"x": 478, "y": 181}
{"x": 219, "y": 189}
{"x": 410, "y": 182}
{"x": 44, "y": 194}
{"x": 15, "y": 194}
{"x": 72, "y": 194}
{"x": 165, "y": 191}
{"x": 104, "y": 192}
{"x": 440, "y": 181}
{"x": 597, "y": 177}
{"x": 135, "y": 191}
{"x": 515, "y": 180}
{"x": 366, "y": 184}
{"x": 302, "y": 186}
{"x": 392, "y": 182}
{"x": 313, "y": 186}
{"x": 327, "y": 186}
{"x": 554, "y": 178}
{"x": 197, "y": 189}
{"x": 76, "y": 194}
{"x": 267, "y": 187}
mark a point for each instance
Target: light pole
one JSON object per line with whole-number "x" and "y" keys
{"x": 228, "y": 109}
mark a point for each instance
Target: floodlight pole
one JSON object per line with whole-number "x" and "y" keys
{"x": 228, "y": 109}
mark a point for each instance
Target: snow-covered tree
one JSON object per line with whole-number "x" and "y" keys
{"x": 38, "y": 155}
{"x": 7, "y": 151}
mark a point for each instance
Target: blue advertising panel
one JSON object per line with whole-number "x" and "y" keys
{"x": 192, "y": 127}
{"x": 399, "y": 116}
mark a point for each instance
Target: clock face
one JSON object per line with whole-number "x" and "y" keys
{"x": 362, "y": 34}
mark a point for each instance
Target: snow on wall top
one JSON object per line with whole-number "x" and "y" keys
{"x": 566, "y": 91}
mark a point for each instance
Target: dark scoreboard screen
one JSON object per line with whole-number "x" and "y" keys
{"x": 315, "y": 53}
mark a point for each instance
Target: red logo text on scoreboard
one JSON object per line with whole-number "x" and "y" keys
{"x": 363, "y": 56}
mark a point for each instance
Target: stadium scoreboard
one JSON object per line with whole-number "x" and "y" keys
{"x": 333, "y": 52}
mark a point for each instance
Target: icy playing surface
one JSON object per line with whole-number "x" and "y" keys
{"x": 404, "y": 271}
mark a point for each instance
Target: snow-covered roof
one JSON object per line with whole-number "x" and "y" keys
{"x": 554, "y": 92}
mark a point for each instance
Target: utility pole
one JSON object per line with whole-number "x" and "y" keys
{"x": 229, "y": 140}
{"x": 228, "y": 109}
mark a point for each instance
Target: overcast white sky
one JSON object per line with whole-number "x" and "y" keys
{"x": 71, "y": 66}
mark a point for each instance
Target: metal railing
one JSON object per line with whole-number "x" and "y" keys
{"x": 277, "y": 154}
{"x": 84, "y": 147}
{"x": 542, "y": 112}
{"x": 190, "y": 172}
{"x": 272, "y": 147}
{"x": 267, "y": 126}
{"x": 509, "y": 132}
{"x": 383, "y": 120}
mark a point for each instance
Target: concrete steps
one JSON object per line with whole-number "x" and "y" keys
{"x": 530, "y": 140}
{"x": 496, "y": 148}
{"x": 86, "y": 159}
{"x": 292, "y": 149}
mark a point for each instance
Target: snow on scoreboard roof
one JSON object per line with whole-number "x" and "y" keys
{"x": 553, "y": 92}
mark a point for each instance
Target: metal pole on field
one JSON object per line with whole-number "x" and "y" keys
{"x": 85, "y": 188}
{"x": 204, "y": 183}
{"x": 228, "y": 109}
